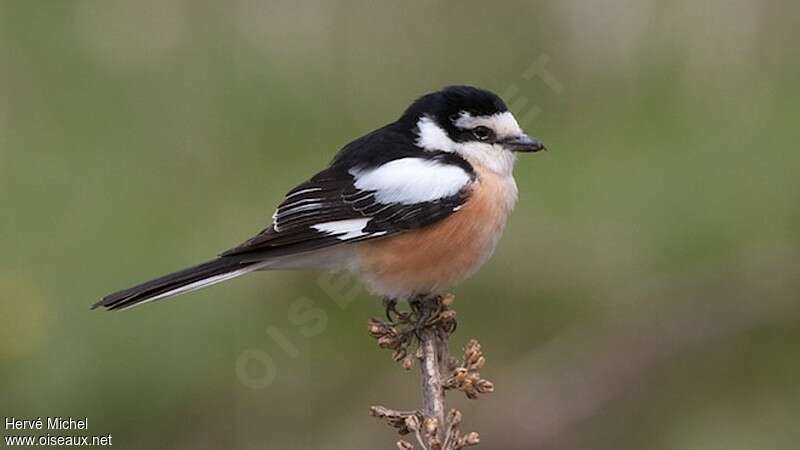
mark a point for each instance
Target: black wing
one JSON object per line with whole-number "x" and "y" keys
{"x": 331, "y": 196}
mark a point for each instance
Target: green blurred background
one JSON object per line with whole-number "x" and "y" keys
{"x": 645, "y": 295}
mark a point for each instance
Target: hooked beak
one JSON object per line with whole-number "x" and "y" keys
{"x": 523, "y": 143}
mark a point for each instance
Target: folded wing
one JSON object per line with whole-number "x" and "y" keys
{"x": 339, "y": 206}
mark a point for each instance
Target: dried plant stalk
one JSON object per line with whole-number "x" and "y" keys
{"x": 428, "y": 327}
{"x": 430, "y": 373}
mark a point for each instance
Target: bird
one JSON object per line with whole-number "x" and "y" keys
{"x": 411, "y": 209}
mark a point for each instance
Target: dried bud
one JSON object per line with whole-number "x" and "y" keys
{"x": 412, "y": 423}
{"x": 375, "y": 328}
{"x": 470, "y": 391}
{"x": 484, "y": 386}
{"x": 399, "y": 354}
{"x": 471, "y": 357}
{"x": 408, "y": 363}
{"x": 447, "y": 315}
{"x": 388, "y": 342}
{"x": 472, "y": 439}
{"x": 431, "y": 426}
{"x": 448, "y": 299}
{"x": 454, "y": 417}
{"x": 403, "y": 445}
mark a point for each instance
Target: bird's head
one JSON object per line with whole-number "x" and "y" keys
{"x": 472, "y": 122}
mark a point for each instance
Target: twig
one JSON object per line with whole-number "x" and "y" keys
{"x": 429, "y": 325}
{"x": 430, "y": 349}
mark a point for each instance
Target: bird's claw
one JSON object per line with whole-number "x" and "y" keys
{"x": 391, "y": 308}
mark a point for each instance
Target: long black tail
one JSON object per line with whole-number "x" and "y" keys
{"x": 186, "y": 280}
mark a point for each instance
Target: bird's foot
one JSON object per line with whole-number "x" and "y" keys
{"x": 398, "y": 333}
{"x": 390, "y": 304}
{"x": 434, "y": 312}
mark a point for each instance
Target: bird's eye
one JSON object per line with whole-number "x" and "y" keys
{"x": 482, "y": 133}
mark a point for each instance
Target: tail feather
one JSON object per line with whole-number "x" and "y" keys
{"x": 181, "y": 282}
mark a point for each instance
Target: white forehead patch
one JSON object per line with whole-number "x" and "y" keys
{"x": 503, "y": 124}
{"x": 411, "y": 180}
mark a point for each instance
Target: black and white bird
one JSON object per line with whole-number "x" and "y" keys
{"x": 411, "y": 209}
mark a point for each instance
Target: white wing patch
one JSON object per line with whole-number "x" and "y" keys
{"x": 407, "y": 181}
{"x": 344, "y": 229}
